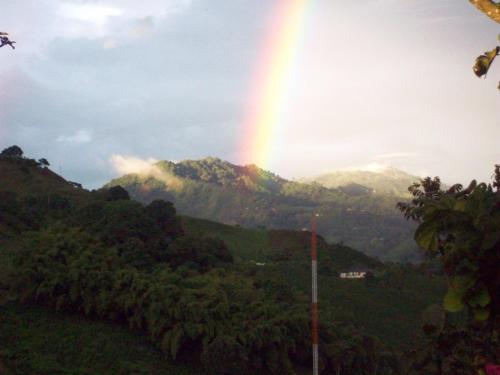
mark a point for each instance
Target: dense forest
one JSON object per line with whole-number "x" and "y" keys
{"x": 362, "y": 216}
{"x": 211, "y": 298}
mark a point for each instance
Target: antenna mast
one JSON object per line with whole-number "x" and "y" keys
{"x": 314, "y": 304}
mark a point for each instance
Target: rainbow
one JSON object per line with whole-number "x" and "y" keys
{"x": 267, "y": 97}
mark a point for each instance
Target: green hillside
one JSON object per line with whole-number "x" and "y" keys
{"x": 23, "y": 177}
{"x": 37, "y": 340}
{"x": 388, "y": 305}
{"x": 251, "y": 197}
{"x": 88, "y": 270}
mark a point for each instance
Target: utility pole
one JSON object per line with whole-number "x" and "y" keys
{"x": 314, "y": 304}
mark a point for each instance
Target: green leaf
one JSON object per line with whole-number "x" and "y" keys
{"x": 490, "y": 239}
{"x": 460, "y": 205}
{"x": 462, "y": 283}
{"x": 481, "y": 299}
{"x": 484, "y": 62}
{"x": 433, "y": 318}
{"x": 453, "y": 301}
{"x": 481, "y": 314}
{"x": 426, "y": 235}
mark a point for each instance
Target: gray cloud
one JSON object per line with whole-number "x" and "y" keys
{"x": 171, "y": 79}
{"x": 81, "y": 136}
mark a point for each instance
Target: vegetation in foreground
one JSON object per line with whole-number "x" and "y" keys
{"x": 233, "y": 302}
{"x": 108, "y": 258}
{"x": 461, "y": 228}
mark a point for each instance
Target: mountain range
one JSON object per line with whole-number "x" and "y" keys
{"x": 355, "y": 208}
{"x": 388, "y": 180}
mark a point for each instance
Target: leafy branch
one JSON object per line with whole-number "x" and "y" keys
{"x": 488, "y": 7}
{"x": 462, "y": 228}
{"x": 483, "y": 62}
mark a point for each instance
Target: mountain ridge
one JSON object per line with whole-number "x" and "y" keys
{"x": 389, "y": 180}
{"x": 214, "y": 189}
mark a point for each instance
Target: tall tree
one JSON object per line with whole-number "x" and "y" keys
{"x": 12, "y": 152}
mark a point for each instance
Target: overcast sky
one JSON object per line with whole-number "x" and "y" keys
{"x": 374, "y": 82}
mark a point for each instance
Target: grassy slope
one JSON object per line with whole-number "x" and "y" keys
{"x": 34, "y": 340}
{"x": 37, "y": 340}
{"x": 26, "y": 180}
{"x": 389, "y": 306}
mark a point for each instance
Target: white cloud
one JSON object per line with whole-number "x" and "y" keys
{"x": 395, "y": 155}
{"x": 81, "y": 136}
{"x": 97, "y": 15}
{"x": 370, "y": 167}
{"x": 34, "y": 24}
{"x": 113, "y": 18}
{"x": 131, "y": 164}
{"x": 109, "y": 43}
{"x": 124, "y": 164}
{"x": 142, "y": 27}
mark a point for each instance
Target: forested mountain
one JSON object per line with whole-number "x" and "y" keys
{"x": 212, "y": 298}
{"x": 251, "y": 197}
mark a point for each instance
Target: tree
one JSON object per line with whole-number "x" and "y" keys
{"x": 201, "y": 254}
{"x": 43, "y": 162}
{"x": 164, "y": 214}
{"x": 12, "y": 152}
{"x": 462, "y": 228}
{"x": 116, "y": 193}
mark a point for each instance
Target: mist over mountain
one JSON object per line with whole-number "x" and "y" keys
{"x": 359, "y": 211}
{"x": 388, "y": 180}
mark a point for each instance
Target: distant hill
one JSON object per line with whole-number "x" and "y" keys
{"x": 25, "y": 177}
{"x": 386, "y": 181}
{"x": 217, "y": 190}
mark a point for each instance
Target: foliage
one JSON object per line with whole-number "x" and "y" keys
{"x": 387, "y": 306}
{"x": 251, "y": 197}
{"x": 117, "y": 193}
{"x": 201, "y": 318}
{"x": 197, "y": 253}
{"x": 43, "y": 162}
{"x": 490, "y": 8}
{"x": 37, "y": 340}
{"x": 462, "y": 227}
{"x": 455, "y": 350}
{"x": 165, "y": 215}
{"x": 199, "y": 313}
{"x": 483, "y": 63}
{"x": 12, "y": 152}
{"x": 140, "y": 234}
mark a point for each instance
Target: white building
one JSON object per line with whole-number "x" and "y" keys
{"x": 353, "y": 275}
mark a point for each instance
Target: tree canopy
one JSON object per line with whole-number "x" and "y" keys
{"x": 13, "y": 152}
